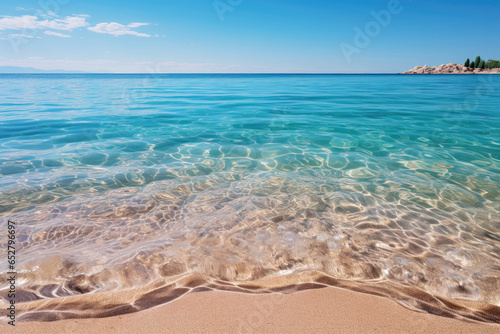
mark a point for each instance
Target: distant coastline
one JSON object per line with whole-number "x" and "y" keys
{"x": 31, "y": 70}
{"x": 452, "y": 68}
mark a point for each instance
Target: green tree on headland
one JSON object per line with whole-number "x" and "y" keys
{"x": 493, "y": 63}
{"x": 477, "y": 62}
{"x": 482, "y": 64}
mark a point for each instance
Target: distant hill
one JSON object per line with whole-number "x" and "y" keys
{"x": 16, "y": 69}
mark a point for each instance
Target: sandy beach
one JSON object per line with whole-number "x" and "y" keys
{"x": 328, "y": 310}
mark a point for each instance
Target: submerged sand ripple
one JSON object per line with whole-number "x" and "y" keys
{"x": 426, "y": 252}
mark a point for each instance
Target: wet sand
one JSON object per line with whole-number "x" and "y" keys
{"x": 313, "y": 311}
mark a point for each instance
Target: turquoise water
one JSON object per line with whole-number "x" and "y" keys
{"x": 121, "y": 181}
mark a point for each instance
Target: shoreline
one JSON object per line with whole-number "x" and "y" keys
{"x": 451, "y": 68}
{"x": 312, "y": 311}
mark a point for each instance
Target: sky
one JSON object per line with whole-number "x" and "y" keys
{"x": 246, "y": 36}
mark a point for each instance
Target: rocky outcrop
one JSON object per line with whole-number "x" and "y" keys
{"x": 450, "y": 69}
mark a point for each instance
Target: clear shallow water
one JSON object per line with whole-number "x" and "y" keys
{"x": 132, "y": 190}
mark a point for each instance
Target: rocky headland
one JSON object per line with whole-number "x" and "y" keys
{"x": 451, "y": 69}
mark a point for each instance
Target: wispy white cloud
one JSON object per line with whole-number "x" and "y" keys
{"x": 53, "y": 33}
{"x": 117, "y": 29}
{"x": 137, "y": 24}
{"x": 32, "y": 22}
{"x": 51, "y": 13}
{"x": 22, "y": 36}
{"x": 46, "y": 13}
{"x": 18, "y": 22}
{"x": 69, "y": 23}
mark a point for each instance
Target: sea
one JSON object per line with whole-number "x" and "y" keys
{"x": 128, "y": 191}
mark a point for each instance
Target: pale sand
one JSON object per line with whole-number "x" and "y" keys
{"x": 328, "y": 310}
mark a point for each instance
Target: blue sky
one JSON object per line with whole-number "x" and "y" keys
{"x": 248, "y": 36}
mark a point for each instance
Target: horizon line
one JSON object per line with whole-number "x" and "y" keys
{"x": 207, "y": 73}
